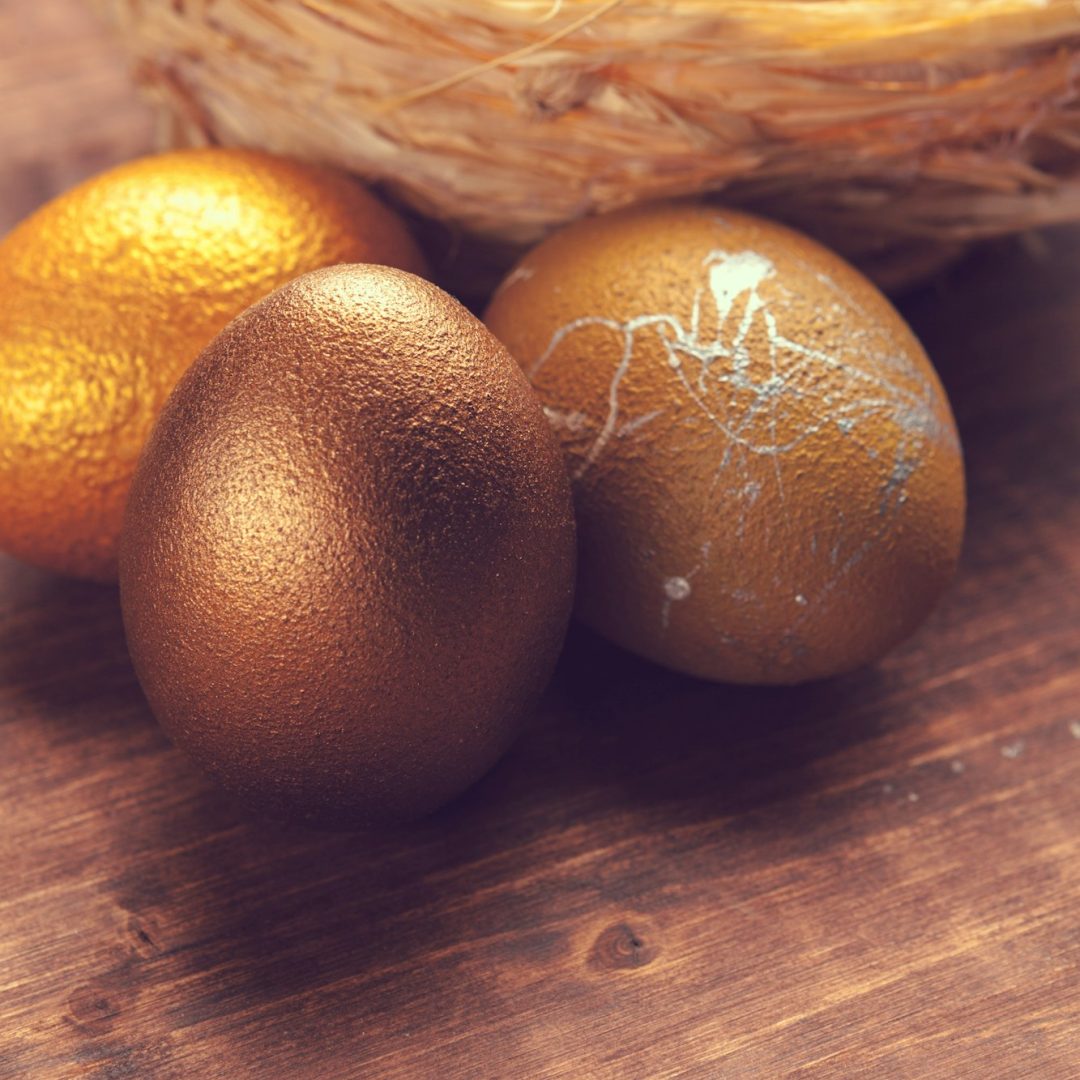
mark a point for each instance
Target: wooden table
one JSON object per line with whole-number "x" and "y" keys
{"x": 874, "y": 876}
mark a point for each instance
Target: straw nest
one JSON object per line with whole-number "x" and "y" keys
{"x": 896, "y": 130}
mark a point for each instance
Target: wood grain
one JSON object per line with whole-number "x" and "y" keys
{"x": 879, "y": 875}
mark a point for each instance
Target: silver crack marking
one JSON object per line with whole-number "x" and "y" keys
{"x": 713, "y": 365}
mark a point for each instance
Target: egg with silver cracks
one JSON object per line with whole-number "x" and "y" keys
{"x": 348, "y": 556}
{"x": 766, "y": 471}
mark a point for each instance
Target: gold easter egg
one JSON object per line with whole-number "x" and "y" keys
{"x": 110, "y": 291}
{"x": 348, "y": 557}
{"x": 767, "y": 475}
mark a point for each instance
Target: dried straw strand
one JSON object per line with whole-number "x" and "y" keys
{"x": 882, "y": 125}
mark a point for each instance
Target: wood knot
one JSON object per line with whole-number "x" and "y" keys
{"x": 96, "y": 1007}
{"x": 93, "y": 1009}
{"x": 620, "y": 946}
{"x": 143, "y": 940}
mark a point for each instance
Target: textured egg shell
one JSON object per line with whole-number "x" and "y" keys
{"x": 110, "y": 291}
{"x": 766, "y": 471}
{"x": 348, "y": 557}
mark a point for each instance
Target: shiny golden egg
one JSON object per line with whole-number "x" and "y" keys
{"x": 766, "y": 471}
{"x": 111, "y": 290}
{"x": 348, "y": 557}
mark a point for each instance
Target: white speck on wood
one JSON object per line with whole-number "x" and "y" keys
{"x": 1013, "y": 750}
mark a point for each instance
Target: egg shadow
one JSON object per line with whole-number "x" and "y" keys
{"x": 62, "y": 650}
{"x": 631, "y": 734}
{"x": 1002, "y": 372}
{"x": 279, "y": 910}
{"x": 256, "y": 912}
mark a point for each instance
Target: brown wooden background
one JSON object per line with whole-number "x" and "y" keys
{"x": 875, "y": 876}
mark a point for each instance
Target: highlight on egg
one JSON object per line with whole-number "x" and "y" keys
{"x": 348, "y": 557}
{"x": 766, "y": 471}
{"x": 108, "y": 294}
